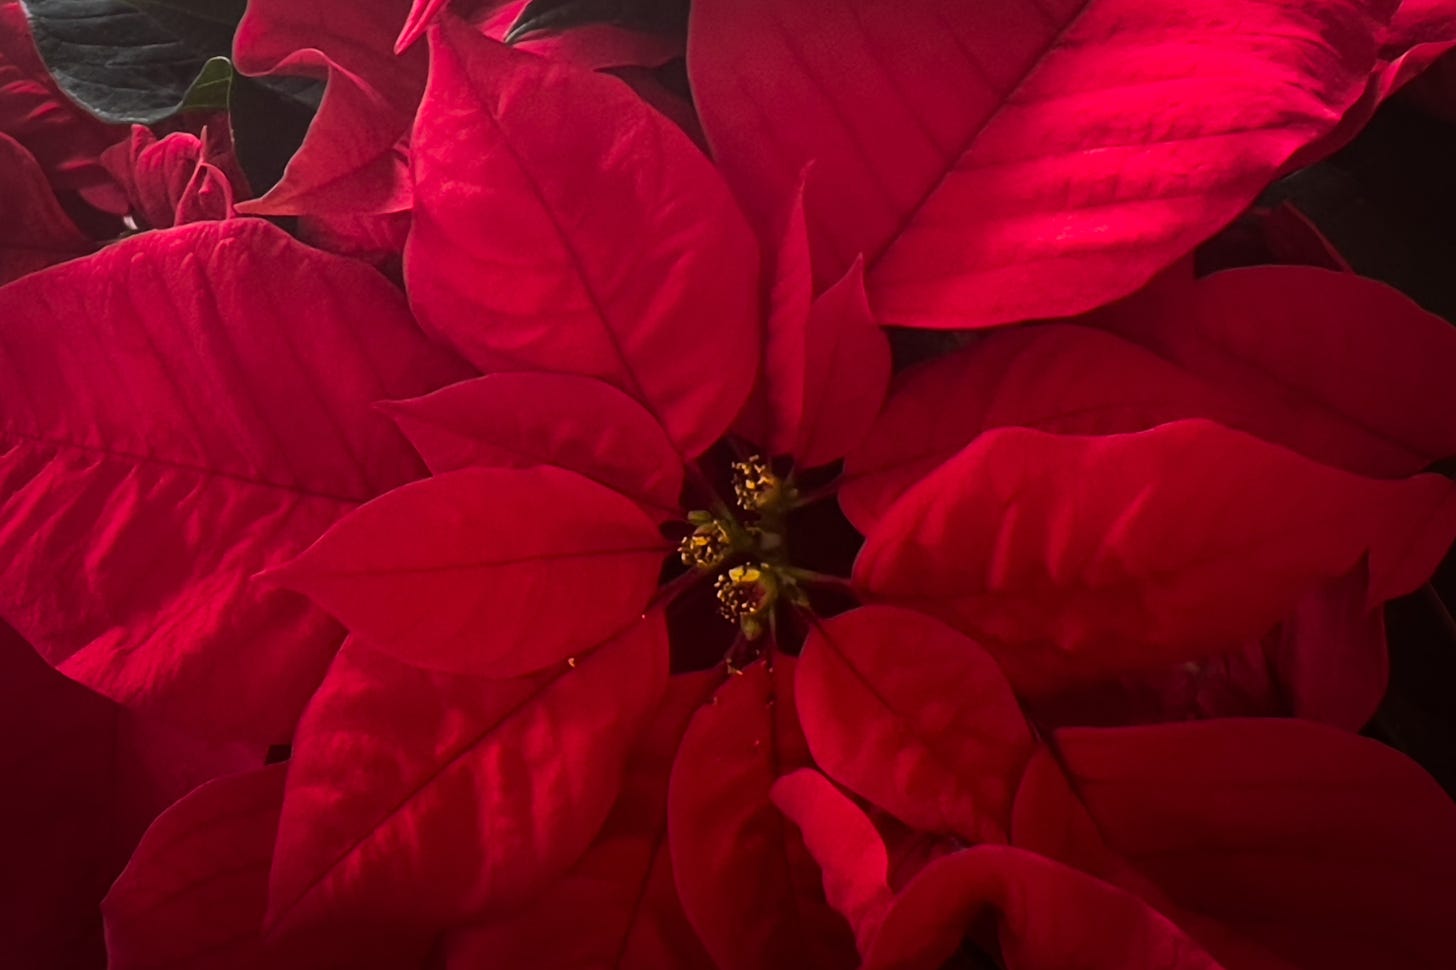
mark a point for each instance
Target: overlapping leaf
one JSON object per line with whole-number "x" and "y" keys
{"x": 914, "y": 717}
{"x": 422, "y": 799}
{"x": 1344, "y": 370}
{"x": 1275, "y": 843}
{"x": 751, "y": 890}
{"x": 1019, "y": 160}
{"x": 1077, "y": 557}
{"x": 637, "y": 269}
{"x": 618, "y": 906}
{"x": 517, "y": 420}
{"x": 178, "y": 412}
{"x": 497, "y": 571}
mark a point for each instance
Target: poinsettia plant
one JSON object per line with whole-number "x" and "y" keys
{"x": 720, "y": 485}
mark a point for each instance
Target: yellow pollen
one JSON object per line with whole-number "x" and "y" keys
{"x": 707, "y": 547}
{"x": 754, "y": 483}
{"x": 745, "y": 591}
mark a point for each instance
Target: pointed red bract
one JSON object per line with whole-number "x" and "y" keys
{"x": 1023, "y": 159}
{"x": 182, "y": 410}
{"x": 826, "y": 363}
{"x": 916, "y": 718}
{"x": 571, "y": 228}
{"x": 749, "y": 886}
{"x": 497, "y": 571}
{"x": 618, "y": 906}
{"x": 352, "y": 160}
{"x": 518, "y": 420}
{"x": 1077, "y": 558}
{"x": 34, "y": 231}
{"x": 426, "y": 799}
{"x": 1275, "y": 843}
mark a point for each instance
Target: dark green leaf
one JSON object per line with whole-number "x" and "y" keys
{"x": 131, "y": 62}
{"x": 653, "y": 16}
{"x": 269, "y": 118}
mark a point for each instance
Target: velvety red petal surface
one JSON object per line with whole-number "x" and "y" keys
{"x": 182, "y": 410}
{"x": 914, "y": 717}
{"x": 518, "y": 420}
{"x": 567, "y": 226}
{"x": 1023, "y": 159}
{"x": 497, "y": 571}
{"x": 618, "y": 906}
{"x": 430, "y": 799}
{"x": 748, "y": 884}
{"x": 1074, "y": 558}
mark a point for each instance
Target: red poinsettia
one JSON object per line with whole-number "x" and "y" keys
{"x": 466, "y": 753}
{"x": 520, "y": 755}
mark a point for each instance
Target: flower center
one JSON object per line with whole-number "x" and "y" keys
{"x": 747, "y": 550}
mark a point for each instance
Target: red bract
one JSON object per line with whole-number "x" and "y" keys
{"x": 1271, "y": 843}
{"x": 352, "y": 161}
{"x": 510, "y": 644}
{"x": 171, "y": 181}
{"x": 172, "y": 426}
{"x": 1022, "y": 160}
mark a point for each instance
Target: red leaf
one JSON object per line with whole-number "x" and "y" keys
{"x": 1343, "y": 369}
{"x": 916, "y": 718}
{"x": 618, "y": 906}
{"x": 1051, "y": 918}
{"x": 34, "y": 231}
{"x": 844, "y": 842}
{"x": 519, "y": 420}
{"x": 749, "y": 886}
{"x": 1275, "y": 843}
{"x": 194, "y": 892}
{"x": 169, "y": 182}
{"x": 181, "y": 410}
{"x": 1058, "y": 378}
{"x": 1013, "y": 161}
{"x": 422, "y": 799}
{"x": 826, "y": 362}
{"x": 352, "y": 160}
{"x": 497, "y": 571}
{"x": 1075, "y": 559}
{"x": 641, "y": 271}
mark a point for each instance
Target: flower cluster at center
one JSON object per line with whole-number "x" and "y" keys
{"x": 746, "y": 547}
